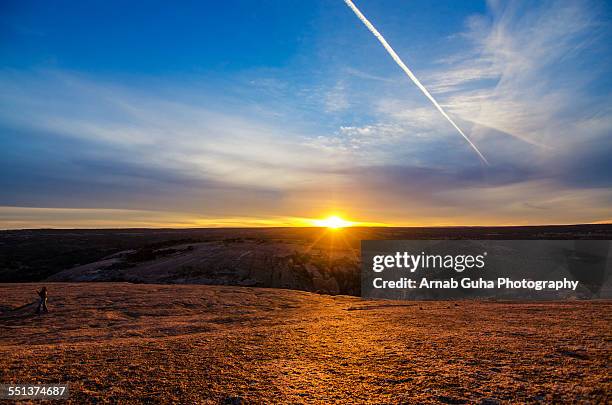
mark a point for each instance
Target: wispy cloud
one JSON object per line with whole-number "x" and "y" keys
{"x": 336, "y": 99}
{"x": 173, "y": 134}
{"x": 411, "y": 75}
{"x": 533, "y": 58}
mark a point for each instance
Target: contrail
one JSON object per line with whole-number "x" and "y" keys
{"x": 408, "y": 72}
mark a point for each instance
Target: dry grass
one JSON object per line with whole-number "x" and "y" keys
{"x": 119, "y": 342}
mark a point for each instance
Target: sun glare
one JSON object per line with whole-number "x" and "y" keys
{"x": 333, "y": 222}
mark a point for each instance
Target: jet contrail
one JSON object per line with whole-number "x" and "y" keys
{"x": 408, "y": 72}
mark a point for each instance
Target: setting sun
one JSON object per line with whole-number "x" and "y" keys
{"x": 333, "y": 222}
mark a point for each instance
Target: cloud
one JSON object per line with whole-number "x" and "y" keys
{"x": 42, "y": 217}
{"x": 366, "y": 75}
{"x": 336, "y": 99}
{"x": 534, "y": 58}
{"x": 181, "y": 137}
{"x": 412, "y": 77}
{"x": 524, "y": 82}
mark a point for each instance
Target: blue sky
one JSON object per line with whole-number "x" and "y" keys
{"x": 268, "y": 112}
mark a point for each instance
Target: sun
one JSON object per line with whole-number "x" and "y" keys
{"x": 332, "y": 222}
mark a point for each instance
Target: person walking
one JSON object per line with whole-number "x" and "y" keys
{"x": 42, "y": 303}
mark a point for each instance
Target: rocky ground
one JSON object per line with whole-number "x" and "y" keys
{"x": 121, "y": 342}
{"x": 294, "y": 265}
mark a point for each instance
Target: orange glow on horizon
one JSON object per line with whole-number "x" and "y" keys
{"x": 332, "y": 222}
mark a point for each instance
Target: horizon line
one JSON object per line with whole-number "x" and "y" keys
{"x": 304, "y": 227}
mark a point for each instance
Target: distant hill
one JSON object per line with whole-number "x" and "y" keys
{"x": 245, "y": 262}
{"x": 313, "y": 259}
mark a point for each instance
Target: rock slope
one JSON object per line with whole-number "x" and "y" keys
{"x": 126, "y": 343}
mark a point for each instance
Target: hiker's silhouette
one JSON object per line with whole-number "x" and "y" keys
{"x": 42, "y": 303}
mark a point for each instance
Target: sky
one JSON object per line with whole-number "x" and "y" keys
{"x": 273, "y": 113}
